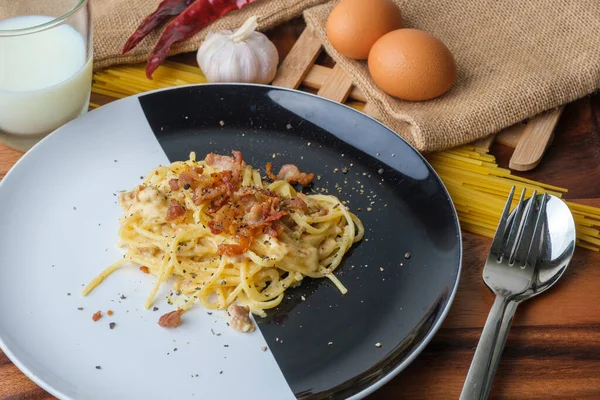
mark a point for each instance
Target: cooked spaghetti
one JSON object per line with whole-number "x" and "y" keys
{"x": 225, "y": 234}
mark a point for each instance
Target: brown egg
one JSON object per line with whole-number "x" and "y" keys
{"x": 355, "y": 25}
{"x": 412, "y": 65}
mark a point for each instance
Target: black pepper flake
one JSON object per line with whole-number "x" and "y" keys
{"x": 98, "y": 367}
{"x": 123, "y": 297}
{"x": 209, "y": 313}
{"x": 80, "y": 308}
{"x": 175, "y": 349}
{"x": 112, "y": 325}
{"x": 221, "y": 373}
{"x": 68, "y": 294}
{"x": 225, "y": 345}
{"x": 187, "y": 186}
{"x": 155, "y": 309}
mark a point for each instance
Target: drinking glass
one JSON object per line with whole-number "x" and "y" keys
{"x": 45, "y": 67}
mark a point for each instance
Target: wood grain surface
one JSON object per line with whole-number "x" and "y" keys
{"x": 553, "y": 350}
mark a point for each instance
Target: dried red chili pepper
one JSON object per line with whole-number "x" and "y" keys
{"x": 194, "y": 18}
{"x": 165, "y": 10}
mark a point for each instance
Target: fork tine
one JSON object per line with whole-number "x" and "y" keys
{"x": 534, "y": 250}
{"x": 521, "y": 244}
{"x": 511, "y": 237}
{"x": 499, "y": 236}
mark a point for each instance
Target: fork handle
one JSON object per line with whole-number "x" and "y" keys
{"x": 483, "y": 367}
{"x": 509, "y": 314}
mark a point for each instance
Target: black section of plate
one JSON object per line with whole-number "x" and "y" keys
{"x": 400, "y": 278}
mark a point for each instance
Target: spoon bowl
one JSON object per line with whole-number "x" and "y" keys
{"x": 557, "y": 247}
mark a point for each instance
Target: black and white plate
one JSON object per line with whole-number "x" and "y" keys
{"x": 58, "y": 229}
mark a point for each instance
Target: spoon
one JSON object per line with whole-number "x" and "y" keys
{"x": 558, "y": 245}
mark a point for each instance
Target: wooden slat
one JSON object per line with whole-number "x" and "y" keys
{"x": 535, "y": 140}
{"x": 299, "y": 60}
{"x": 484, "y": 144}
{"x": 337, "y": 86}
{"x": 318, "y": 74}
{"x": 511, "y": 135}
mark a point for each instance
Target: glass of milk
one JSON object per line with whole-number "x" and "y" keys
{"x": 45, "y": 67}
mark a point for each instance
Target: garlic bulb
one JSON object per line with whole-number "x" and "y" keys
{"x": 241, "y": 56}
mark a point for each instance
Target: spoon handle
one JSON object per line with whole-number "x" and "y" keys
{"x": 509, "y": 314}
{"x": 481, "y": 373}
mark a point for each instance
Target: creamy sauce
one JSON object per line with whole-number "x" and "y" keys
{"x": 148, "y": 201}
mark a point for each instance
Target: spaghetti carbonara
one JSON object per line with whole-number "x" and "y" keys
{"x": 226, "y": 235}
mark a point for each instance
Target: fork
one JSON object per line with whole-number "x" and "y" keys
{"x": 508, "y": 272}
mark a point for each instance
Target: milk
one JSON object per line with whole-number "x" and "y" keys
{"x": 44, "y": 77}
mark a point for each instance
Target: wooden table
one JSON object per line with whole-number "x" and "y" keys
{"x": 553, "y": 351}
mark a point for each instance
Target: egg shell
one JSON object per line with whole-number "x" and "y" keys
{"x": 412, "y": 65}
{"x": 353, "y": 26}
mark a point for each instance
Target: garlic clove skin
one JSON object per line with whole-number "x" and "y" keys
{"x": 229, "y": 56}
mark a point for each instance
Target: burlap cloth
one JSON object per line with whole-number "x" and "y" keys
{"x": 116, "y": 20}
{"x": 515, "y": 59}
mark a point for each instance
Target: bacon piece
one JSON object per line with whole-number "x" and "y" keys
{"x": 201, "y": 195}
{"x": 240, "y": 318}
{"x": 295, "y": 203}
{"x": 185, "y": 179}
{"x": 174, "y": 184}
{"x": 322, "y": 212}
{"x": 192, "y": 177}
{"x": 222, "y": 220}
{"x": 277, "y": 216}
{"x": 227, "y": 163}
{"x": 196, "y": 172}
{"x": 291, "y": 174}
{"x": 175, "y": 211}
{"x": 270, "y": 173}
{"x": 255, "y": 215}
{"x": 230, "y": 250}
{"x": 97, "y": 315}
{"x": 224, "y": 163}
{"x": 171, "y": 320}
{"x": 244, "y": 241}
{"x": 275, "y": 229}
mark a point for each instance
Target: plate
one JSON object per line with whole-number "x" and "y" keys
{"x": 59, "y": 214}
